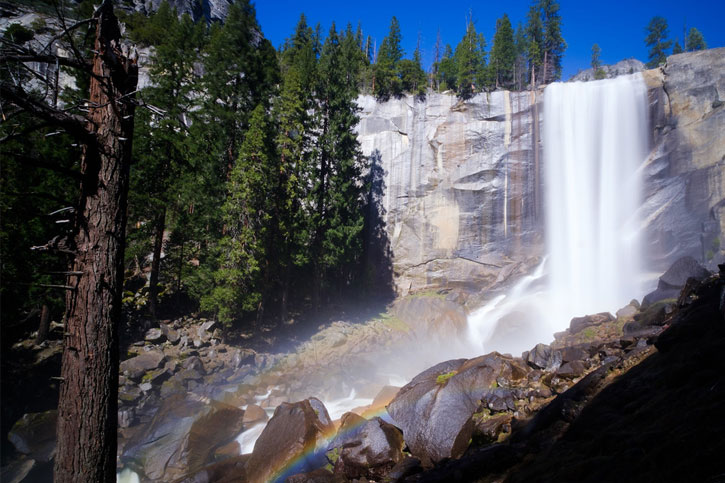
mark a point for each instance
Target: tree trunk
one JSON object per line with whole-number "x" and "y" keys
{"x": 156, "y": 263}
{"x": 87, "y": 409}
{"x": 44, "y": 326}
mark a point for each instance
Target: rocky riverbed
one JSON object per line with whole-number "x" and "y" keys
{"x": 191, "y": 406}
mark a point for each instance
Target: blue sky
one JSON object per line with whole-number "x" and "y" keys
{"x": 617, "y": 26}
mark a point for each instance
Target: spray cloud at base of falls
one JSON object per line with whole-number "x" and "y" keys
{"x": 595, "y": 143}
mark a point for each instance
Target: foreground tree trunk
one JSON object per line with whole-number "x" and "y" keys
{"x": 87, "y": 420}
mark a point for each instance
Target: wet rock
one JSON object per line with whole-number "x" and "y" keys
{"x": 182, "y": 437}
{"x": 296, "y": 429}
{"x": 254, "y": 414}
{"x": 229, "y": 470}
{"x": 365, "y": 449}
{"x": 135, "y": 367}
{"x": 435, "y": 409}
{"x": 544, "y": 357}
{"x": 627, "y": 311}
{"x": 34, "y": 435}
{"x": 384, "y": 396}
{"x": 580, "y": 323}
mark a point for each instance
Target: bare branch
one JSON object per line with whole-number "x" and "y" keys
{"x": 72, "y": 123}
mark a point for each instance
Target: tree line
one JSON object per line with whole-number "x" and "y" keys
{"x": 659, "y": 44}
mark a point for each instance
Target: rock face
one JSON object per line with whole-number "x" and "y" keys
{"x": 462, "y": 180}
{"x": 461, "y": 184}
{"x": 685, "y": 188}
{"x": 210, "y": 10}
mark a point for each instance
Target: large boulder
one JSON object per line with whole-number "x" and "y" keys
{"x": 292, "y": 442}
{"x": 182, "y": 437}
{"x": 580, "y": 323}
{"x": 672, "y": 281}
{"x": 435, "y": 409}
{"x": 365, "y": 449}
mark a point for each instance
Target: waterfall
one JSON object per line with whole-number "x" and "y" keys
{"x": 595, "y": 141}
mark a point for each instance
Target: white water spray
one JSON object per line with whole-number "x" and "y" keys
{"x": 595, "y": 141}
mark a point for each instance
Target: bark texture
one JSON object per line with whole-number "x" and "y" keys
{"x": 87, "y": 420}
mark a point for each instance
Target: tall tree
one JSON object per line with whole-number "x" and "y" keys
{"x": 597, "y": 70}
{"x": 695, "y": 40}
{"x": 535, "y": 43}
{"x": 387, "y": 80}
{"x": 337, "y": 219}
{"x": 160, "y": 149}
{"x": 412, "y": 74}
{"x": 503, "y": 54}
{"x": 447, "y": 70}
{"x": 521, "y": 48}
{"x": 553, "y": 46}
{"x": 656, "y": 40}
{"x": 470, "y": 62}
{"x": 677, "y": 49}
{"x": 87, "y": 419}
{"x": 248, "y": 214}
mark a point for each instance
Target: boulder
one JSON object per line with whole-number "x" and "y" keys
{"x": 580, "y": 323}
{"x": 571, "y": 370}
{"x": 182, "y": 437}
{"x": 365, "y": 449}
{"x": 672, "y": 281}
{"x": 254, "y": 414}
{"x": 488, "y": 428}
{"x": 292, "y": 441}
{"x": 170, "y": 333}
{"x": 34, "y": 435}
{"x": 135, "y": 367}
{"x": 435, "y": 409}
{"x": 543, "y": 357}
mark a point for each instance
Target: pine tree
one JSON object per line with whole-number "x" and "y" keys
{"x": 553, "y": 46}
{"x": 247, "y": 214}
{"x": 503, "y": 54}
{"x": 160, "y": 148}
{"x": 520, "y": 46}
{"x": 695, "y": 40}
{"x": 470, "y": 62}
{"x": 677, "y": 49}
{"x": 535, "y": 41}
{"x": 657, "y": 34}
{"x": 412, "y": 75}
{"x": 447, "y": 70}
{"x": 337, "y": 220}
{"x": 294, "y": 144}
{"x": 597, "y": 70}
{"x": 387, "y": 80}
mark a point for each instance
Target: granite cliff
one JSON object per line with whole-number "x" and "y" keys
{"x": 463, "y": 179}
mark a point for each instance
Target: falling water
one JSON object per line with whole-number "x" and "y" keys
{"x": 595, "y": 140}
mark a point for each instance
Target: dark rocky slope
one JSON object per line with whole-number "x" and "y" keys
{"x": 655, "y": 420}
